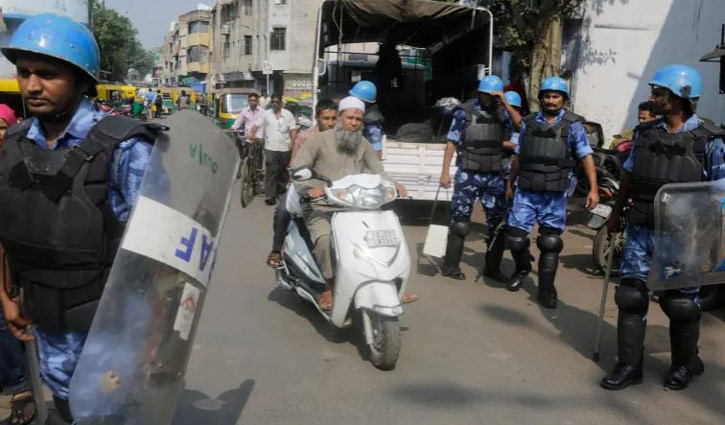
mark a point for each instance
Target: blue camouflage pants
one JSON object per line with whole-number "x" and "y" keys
{"x": 58, "y": 355}
{"x": 489, "y": 188}
{"x": 637, "y": 255}
{"x": 531, "y": 207}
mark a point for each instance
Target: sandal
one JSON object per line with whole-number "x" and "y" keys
{"x": 23, "y": 408}
{"x": 408, "y": 298}
{"x": 274, "y": 259}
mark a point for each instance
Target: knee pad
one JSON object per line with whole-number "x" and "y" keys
{"x": 680, "y": 308}
{"x": 632, "y": 297}
{"x": 517, "y": 239}
{"x": 461, "y": 228}
{"x": 550, "y": 243}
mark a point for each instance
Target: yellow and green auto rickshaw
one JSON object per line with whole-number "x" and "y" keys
{"x": 115, "y": 93}
{"x": 228, "y": 103}
{"x": 10, "y": 95}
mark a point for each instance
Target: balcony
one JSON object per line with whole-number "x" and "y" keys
{"x": 198, "y": 67}
{"x": 198, "y": 39}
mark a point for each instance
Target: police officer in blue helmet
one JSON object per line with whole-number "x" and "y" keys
{"x": 551, "y": 143}
{"x": 69, "y": 177}
{"x": 480, "y": 133}
{"x": 373, "y": 118}
{"x": 678, "y": 147}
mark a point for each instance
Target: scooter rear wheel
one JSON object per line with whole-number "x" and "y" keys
{"x": 385, "y": 349}
{"x": 600, "y": 251}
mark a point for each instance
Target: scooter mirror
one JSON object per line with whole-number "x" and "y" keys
{"x": 302, "y": 174}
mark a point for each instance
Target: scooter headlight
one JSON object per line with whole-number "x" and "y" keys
{"x": 365, "y": 198}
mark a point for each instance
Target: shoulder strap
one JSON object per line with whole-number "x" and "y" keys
{"x": 530, "y": 119}
{"x": 571, "y": 117}
{"x": 19, "y": 175}
{"x": 709, "y": 130}
{"x": 103, "y": 137}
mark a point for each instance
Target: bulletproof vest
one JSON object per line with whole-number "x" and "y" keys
{"x": 56, "y": 223}
{"x": 482, "y": 148}
{"x": 544, "y": 157}
{"x": 373, "y": 116}
{"x": 662, "y": 158}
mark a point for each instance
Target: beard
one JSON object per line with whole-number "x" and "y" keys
{"x": 347, "y": 141}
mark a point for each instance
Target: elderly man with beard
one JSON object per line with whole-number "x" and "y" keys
{"x": 335, "y": 153}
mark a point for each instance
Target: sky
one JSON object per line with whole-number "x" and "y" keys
{"x": 153, "y": 17}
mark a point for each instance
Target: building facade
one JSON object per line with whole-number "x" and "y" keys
{"x": 247, "y": 34}
{"x": 186, "y": 50}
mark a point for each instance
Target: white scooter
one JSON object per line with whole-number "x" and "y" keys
{"x": 372, "y": 260}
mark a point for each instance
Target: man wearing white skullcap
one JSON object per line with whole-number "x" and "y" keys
{"x": 335, "y": 153}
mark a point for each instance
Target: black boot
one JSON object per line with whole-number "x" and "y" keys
{"x": 494, "y": 255}
{"x": 454, "y": 250}
{"x": 685, "y": 360}
{"x": 630, "y": 341}
{"x": 550, "y": 245}
{"x": 518, "y": 242}
{"x": 61, "y": 415}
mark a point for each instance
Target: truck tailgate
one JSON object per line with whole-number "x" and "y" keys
{"x": 417, "y": 166}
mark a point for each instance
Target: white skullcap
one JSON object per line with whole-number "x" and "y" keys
{"x": 351, "y": 102}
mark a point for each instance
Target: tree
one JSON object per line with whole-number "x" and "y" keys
{"x": 120, "y": 49}
{"x": 532, "y": 30}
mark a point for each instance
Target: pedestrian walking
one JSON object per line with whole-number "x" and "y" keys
{"x": 158, "y": 103}
{"x": 679, "y": 147}
{"x": 551, "y": 143}
{"x": 280, "y": 129}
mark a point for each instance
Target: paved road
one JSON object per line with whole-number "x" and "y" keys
{"x": 472, "y": 353}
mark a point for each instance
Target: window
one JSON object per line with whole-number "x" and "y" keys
{"x": 247, "y": 7}
{"x": 277, "y": 40}
{"x": 226, "y": 50}
{"x": 247, "y": 45}
{"x": 198, "y": 26}
{"x": 197, "y": 54}
{"x": 228, "y": 13}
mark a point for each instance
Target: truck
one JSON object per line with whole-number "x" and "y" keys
{"x": 443, "y": 50}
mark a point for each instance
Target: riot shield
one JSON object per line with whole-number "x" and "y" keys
{"x": 688, "y": 242}
{"x": 132, "y": 366}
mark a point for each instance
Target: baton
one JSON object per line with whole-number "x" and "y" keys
{"x": 33, "y": 378}
{"x": 605, "y": 287}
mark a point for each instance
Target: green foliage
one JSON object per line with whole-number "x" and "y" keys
{"x": 120, "y": 49}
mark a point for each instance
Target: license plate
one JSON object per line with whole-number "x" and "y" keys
{"x": 602, "y": 210}
{"x": 376, "y": 238}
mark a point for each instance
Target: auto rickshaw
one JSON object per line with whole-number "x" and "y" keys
{"x": 228, "y": 103}
{"x": 10, "y": 95}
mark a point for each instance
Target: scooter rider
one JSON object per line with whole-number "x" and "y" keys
{"x": 335, "y": 154}
{"x": 68, "y": 180}
{"x": 480, "y": 132}
{"x": 675, "y": 148}
{"x": 550, "y": 143}
{"x": 373, "y": 118}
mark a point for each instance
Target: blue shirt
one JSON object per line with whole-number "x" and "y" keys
{"x": 578, "y": 143}
{"x": 374, "y": 135}
{"x": 714, "y": 167}
{"x": 129, "y": 162}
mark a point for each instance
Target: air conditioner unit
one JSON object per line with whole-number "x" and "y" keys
{"x": 225, "y": 29}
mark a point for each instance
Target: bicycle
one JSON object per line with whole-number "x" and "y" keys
{"x": 251, "y": 168}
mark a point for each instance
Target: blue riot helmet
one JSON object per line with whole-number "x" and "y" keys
{"x": 490, "y": 84}
{"x": 60, "y": 38}
{"x": 557, "y": 84}
{"x": 365, "y": 91}
{"x": 682, "y": 80}
{"x": 512, "y": 98}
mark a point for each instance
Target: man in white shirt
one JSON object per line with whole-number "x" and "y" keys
{"x": 250, "y": 116}
{"x": 280, "y": 129}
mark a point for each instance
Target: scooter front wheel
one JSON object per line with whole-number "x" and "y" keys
{"x": 384, "y": 341}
